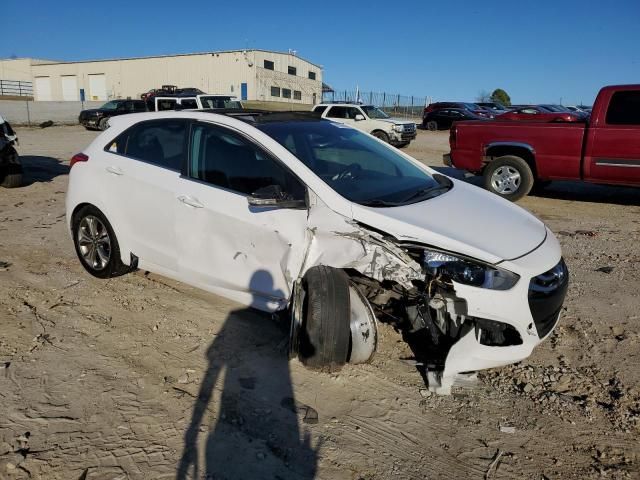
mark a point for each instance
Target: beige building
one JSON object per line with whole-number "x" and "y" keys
{"x": 259, "y": 75}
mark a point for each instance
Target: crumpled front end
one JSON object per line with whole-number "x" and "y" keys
{"x": 452, "y": 327}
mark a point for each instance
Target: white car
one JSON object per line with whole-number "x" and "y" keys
{"x": 289, "y": 212}
{"x": 370, "y": 119}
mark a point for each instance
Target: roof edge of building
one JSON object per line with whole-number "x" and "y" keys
{"x": 63, "y": 62}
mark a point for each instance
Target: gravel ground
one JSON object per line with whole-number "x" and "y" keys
{"x": 142, "y": 377}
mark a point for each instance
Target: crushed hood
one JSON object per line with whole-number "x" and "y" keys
{"x": 465, "y": 220}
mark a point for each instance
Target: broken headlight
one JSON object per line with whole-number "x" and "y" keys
{"x": 468, "y": 272}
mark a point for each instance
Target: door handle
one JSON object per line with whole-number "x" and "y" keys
{"x": 115, "y": 170}
{"x": 192, "y": 202}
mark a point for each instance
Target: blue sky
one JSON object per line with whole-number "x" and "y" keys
{"x": 543, "y": 51}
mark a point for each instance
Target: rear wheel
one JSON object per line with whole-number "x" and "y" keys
{"x": 96, "y": 243}
{"x": 381, "y": 135}
{"x": 104, "y": 124}
{"x": 508, "y": 176}
{"x": 325, "y": 332}
{"x": 432, "y": 125}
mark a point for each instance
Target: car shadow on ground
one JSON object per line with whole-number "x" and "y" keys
{"x": 565, "y": 190}
{"x": 37, "y": 168}
{"x": 247, "y": 407}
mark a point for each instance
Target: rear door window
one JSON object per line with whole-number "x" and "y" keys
{"x": 337, "y": 112}
{"x": 158, "y": 142}
{"x": 624, "y": 108}
{"x": 189, "y": 103}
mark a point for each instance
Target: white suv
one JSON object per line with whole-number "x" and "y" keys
{"x": 370, "y": 119}
{"x": 286, "y": 211}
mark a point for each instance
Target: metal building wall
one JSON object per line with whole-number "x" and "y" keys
{"x": 216, "y": 72}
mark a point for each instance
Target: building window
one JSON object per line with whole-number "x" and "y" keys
{"x": 275, "y": 91}
{"x": 312, "y": 75}
{"x": 286, "y": 93}
{"x": 268, "y": 64}
{"x": 297, "y": 95}
{"x": 292, "y": 70}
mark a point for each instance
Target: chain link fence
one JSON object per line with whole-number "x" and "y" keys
{"x": 391, "y": 103}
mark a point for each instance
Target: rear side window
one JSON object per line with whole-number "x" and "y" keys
{"x": 189, "y": 103}
{"x": 158, "y": 142}
{"x": 320, "y": 109}
{"x": 624, "y": 108}
{"x": 337, "y": 112}
{"x": 225, "y": 159}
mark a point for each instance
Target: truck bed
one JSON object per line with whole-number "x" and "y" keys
{"x": 557, "y": 146}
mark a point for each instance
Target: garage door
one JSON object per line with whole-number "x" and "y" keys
{"x": 69, "y": 88}
{"x": 97, "y": 87}
{"x": 43, "y": 88}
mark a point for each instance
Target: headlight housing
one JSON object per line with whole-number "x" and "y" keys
{"x": 468, "y": 272}
{"x": 398, "y": 128}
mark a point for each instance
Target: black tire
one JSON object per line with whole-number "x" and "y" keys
{"x": 103, "y": 125}
{"x": 325, "y": 334}
{"x": 114, "y": 266}
{"x": 11, "y": 175}
{"x": 381, "y": 135}
{"x": 432, "y": 125}
{"x": 509, "y": 163}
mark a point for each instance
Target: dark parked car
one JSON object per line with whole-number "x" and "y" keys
{"x": 443, "y": 119}
{"x": 96, "y": 118}
{"x": 471, "y": 107}
{"x": 496, "y": 107}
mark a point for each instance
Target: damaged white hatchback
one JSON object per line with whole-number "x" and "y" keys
{"x": 287, "y": 211}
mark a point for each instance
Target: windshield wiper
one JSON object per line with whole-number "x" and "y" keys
{"x": 378, "y": 203}
{"x": 444, "y": 185}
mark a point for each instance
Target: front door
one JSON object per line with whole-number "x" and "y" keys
{"x": 225, "y": 245}
{"x": 613, "y": 145}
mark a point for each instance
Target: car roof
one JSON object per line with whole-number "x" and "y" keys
{"x": 252, "y": 117}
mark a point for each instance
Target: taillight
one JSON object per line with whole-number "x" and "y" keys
{"x": 78, "y": 157}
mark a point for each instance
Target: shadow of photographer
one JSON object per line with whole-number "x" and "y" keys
{"x": 247, "y": 405}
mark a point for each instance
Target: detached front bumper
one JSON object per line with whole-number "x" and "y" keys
{"x": 531, "y": 308}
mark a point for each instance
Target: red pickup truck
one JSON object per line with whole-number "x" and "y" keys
{"x": 512, "y": 156}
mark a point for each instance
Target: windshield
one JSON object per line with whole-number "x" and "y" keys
{"x": 220, "y": 102}
{"x": 374, "y": 112}
{"x": 358, "y": 167}
{"x": 110, "y": 105}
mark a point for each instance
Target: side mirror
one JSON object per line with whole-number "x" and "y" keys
{"x": 274, "y": 196}
{"x": 359, "y": 117}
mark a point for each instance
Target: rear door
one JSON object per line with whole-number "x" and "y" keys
{"x": 613, "y": 146}
{"x": 226, "y": 245}
{"x": 142, "y": 167}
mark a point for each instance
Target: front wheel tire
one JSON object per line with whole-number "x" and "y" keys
{"x": 96, "y": 243}
{"x": 11, "y": 177}
{"x": 381, "y": 136}
{"x": 509, "y": 177}
{"x": 325, "y": 333}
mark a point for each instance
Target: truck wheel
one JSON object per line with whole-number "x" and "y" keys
{"x": 96, "y": 243}
{"x": 508, "y": 176}
{"x": 325, "y": 332}
{"x": 103, "y": 125}
{"x": 381, "y": 135}
{"x": 432, "y": 125}
{"x": 11, "y": 172}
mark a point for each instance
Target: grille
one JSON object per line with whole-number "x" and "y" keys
{"x": 546, "y": 296}
{"x": 409, "y": 127}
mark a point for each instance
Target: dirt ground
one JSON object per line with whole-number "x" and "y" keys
{"x": 140, "y": 377}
